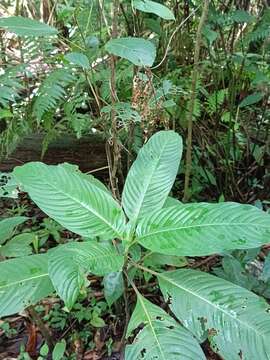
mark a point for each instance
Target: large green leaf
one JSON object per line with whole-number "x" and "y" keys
{"x": 203, "y": 229}
{"x": 26, "y": 27}
{"x": 161, "y": 338}
{"x": 139, "y": 51}
{"x": 152, "y": 175}
{"x": 23, "y": 282}
{"x": 113, "y": 286}
{"x": 153, "y": 7}
{"x": 251, "y": 99}
{"x": 236, "y": 321}
{"x": 69, "y": 264}
{"x": 73, "y": 200}
{"x": 18, "y": 246}
{"x": 8, "y": 225}
{"x": 78, "y": 59}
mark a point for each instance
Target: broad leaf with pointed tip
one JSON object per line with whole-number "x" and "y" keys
{"x": 69, "y": 264}
{"x": 153, "y": 7}
{"x": 203, "y": 229}
{"x": 113, "y": 286}
{"x": 139, "y": 51}
{"x": 161, "y": 338}
{"x": 26, "y": 27}
{"x": 18, "y": 246}
{"x": 152, "y": 175}
{"x": 236, "y": 321}
{"x": 8, "y": 225}
{"x": 78, "y": 59}
{"x": 23, "y": 282}
{"x": 72, "y": 199}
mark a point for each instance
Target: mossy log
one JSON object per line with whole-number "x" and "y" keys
{"x": 88, "y": 153}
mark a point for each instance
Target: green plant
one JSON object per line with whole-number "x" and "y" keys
{"x": 57, "y": 353}
{"x": 12, "y": 245}
{"x": 7, "y": 329}
{"x": 234, "y": 320}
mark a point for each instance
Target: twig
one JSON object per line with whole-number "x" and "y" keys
{"x": 96, "y": 170}
{"x": 100, "y": 2}
{"x": 193, "y": 99}
{"x": 203, "y": 262}
{"x": 42, "y": 327}
{"x": 172, "y": 36}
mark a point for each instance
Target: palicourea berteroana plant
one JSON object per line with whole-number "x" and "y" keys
{"x": 119, "y": 238}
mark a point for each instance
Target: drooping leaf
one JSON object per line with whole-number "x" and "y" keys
{"x": 18, "y": 246}
{"x": 251, "y": 99}
{"x": 161, "y": 338}
{"x": 236, "y": 321}
{"x": 23, "y": 281}
{"x": 152, "y": 175}
{"x": 203, "y": 229}
{"x": 234, "y": 271}
{"x": 78, "y": 59}
{"x": 156, "y": 259}
{"x": 26, "y": 27}
{"x": 209, "y": 34}
{"x": 139, "y": 51}
{"x": 8, "y": 225}
{"x": 68, "y": 197}
{"x": 153, "y": 7}
{"x": 113, "y": 286}
{"x": 69, "y": 264}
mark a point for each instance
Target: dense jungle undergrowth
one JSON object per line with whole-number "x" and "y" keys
{"x": 160, "y": 248}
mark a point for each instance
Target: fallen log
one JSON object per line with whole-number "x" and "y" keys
{"x": 88, "y": 153}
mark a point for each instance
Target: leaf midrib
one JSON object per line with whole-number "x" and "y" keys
{"x": 23, "y": 281}
{"x": 152, "y": 328}
{"x": 164, "y": 230}
{"x": 85, "y": 206}
{"x": 196, "y": 295}
{"x": 143, "y": 196}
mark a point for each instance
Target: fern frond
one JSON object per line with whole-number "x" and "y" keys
{"x": 261, "y": 30}
{"x": 51, "y": 91}
{"x": 10, "y": 85}
{"x": 215, "y": 100}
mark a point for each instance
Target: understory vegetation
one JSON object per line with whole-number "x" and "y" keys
{"x": 161, "y": 251}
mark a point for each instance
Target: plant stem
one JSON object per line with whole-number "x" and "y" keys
{"x": 42, "y": 327}
{"x": 127, "y": 315}
{"x": 152, "y": 272}
{"x": 193, "y": 99}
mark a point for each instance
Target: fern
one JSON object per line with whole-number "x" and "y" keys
{"x": 33, "y": 50}
{"x": 10, "y": 85}
{"x": 76, "y": 121}
{"x": 51, "y": 92}
{"x": 261, "y": 30}
{"x": 215, "y": 100}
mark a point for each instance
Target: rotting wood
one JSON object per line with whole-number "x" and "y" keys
{"x": 88, "y": 153}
